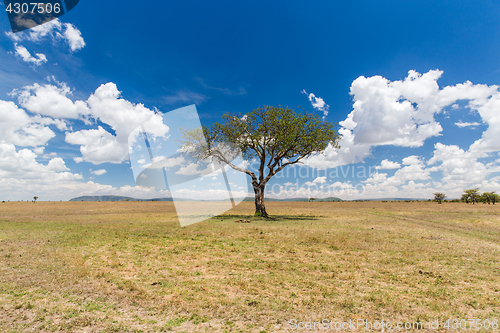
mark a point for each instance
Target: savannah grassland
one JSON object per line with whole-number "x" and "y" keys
{"x": 129, "y": 267}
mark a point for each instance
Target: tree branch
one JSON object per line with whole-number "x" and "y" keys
{"x": 272, "y": 173}
{"x": 237, "y": 168}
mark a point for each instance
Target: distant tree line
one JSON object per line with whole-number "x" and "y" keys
{"x": 471, "y": 196}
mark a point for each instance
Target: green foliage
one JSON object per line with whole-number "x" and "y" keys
{"x": 274, "y": 136}
{"x": 490, "y": 197}
{"x": 471, "y": 195}
{"x": 274, "y": 133}
{"x": 495, "y": 198}
{"x": 439, "y": 197}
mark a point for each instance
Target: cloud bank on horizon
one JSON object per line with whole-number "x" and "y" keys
{"x": 385, "y": 113}
{"x": 61, "y": 138}
{"x": 402, "y": 113}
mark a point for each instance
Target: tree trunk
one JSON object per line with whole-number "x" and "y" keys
{"x": 260, "y": 208}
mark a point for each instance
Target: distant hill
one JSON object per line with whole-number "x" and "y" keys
{"x": 114, "y": 198}
{"x": 392, "y": 199}
{"x": 331, "y": 199}
{"x": 297, "y": 199}
{"x": 123, "y": 198}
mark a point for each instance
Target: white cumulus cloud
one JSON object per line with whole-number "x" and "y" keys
{"x": 318, "y": 103}
{"x": 36, "y": 60}
{"x": 74, "y": 37}
{"x": 54, "y": 30}
{"x": 461, "y": 169}
{"x": 387, "y": 165}
{"x": 401, "y": 113}
{"x": 189, "y": 170}
{"x": 20, "y": 129}
{"x": 100, "y": 146}
{"x": 50, "y": 100}
{"x": 319, "y": 180}
{"x": 99, "y": 172}
{"x": 21, "y": 173}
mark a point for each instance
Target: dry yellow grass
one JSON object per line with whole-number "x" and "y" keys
{"x": 129, "y": 267}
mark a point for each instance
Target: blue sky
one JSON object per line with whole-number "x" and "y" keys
{"x": 413, "y": 86}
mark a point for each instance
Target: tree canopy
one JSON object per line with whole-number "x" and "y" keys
{"x": 471, "y": 195}
{"x": 439, "y": 197}
{"x": 490, "y": 197}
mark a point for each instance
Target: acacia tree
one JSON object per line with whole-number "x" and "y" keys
{"x": 471, "y": 195}
{"x": 439, "y": 197}
{"x": 274, "y": 136}
{"x": 35, "y": 198}
{"x": 495, "y": 197}
{"x": 490, "y": 197}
